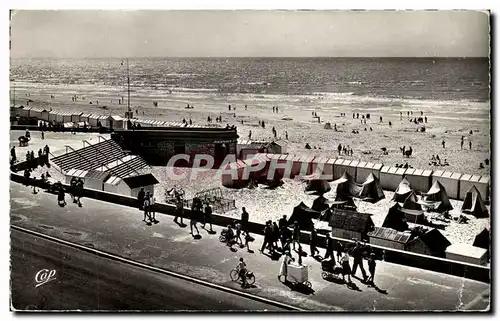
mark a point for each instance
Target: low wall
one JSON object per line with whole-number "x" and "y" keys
{"x": 461, "y": 269}
{"x": 31, "y": 164}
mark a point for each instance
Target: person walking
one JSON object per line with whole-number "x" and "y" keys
{"x": 313, "y": 241}
{"x": 329, "y": 248}
{"x": 237, "y": 227}
{"x": 208, "y": 216}
{"x": 267, "y": 238}
{"x": 13, "y": 154}
{"x": 371, "y": 268}
{"x": 152, "y": 212}
{"x": 146, "y": 208}
{"x": 244, "y": 219}
{"x": 357, "y": 254}
{"x": 346, "y": 268}
{"x": 276, "y": 235}
{"x": 179, "y": 210}
{"x": 195, "y": 213}
{"x": 296, "y": 235}
{"x": 287, "y": 259}
{"x": 339, "y": 248}
{"x": 470, "y": 144}
{"x": 462, "y": 142}
{"x": 248, "y": 239}
{"x": 140, "y": 199}
{"x": 443, "y": 143}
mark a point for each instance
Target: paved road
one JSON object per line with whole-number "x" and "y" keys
{"x": 86, "y": 281}
{"x": 120, "y": 230}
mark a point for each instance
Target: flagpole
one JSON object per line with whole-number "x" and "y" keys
{"x": 128, "y": 91}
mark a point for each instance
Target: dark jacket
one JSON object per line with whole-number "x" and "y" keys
{"x": 329, "y": 244}
{"x": 244, "y": 217}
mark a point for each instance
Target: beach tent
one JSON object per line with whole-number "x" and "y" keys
{"x": 403, "y": 191}
{"x": 347, "y": 187}
{"x": 396, "y": 219}
{"x": 420, "y": 180}
{"x": 450, "y": 181}
{"x": 483, "y": 240}
{"x": 364, "y": 169}
{"x": 390, "y": 177}
{"x": 482, "y": 184}
{"x": 474, "y": 204}
{"x": 321, "y": 203}
{"x": 257, "y": 160}
{"x": 328, "y": 126}
{"x": 411, "y": 202}
{"x": 315, "y": 184}
{"x": 303, "y": 215}
{"x": 436, "y": 198}
{"x": 371, "y": 190}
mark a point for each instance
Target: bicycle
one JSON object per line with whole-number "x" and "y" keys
{"x": 235, "y": 276}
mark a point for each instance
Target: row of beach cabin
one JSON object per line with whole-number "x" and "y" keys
{"x": 78, "y": 119}
{"x": 456, "y": 184}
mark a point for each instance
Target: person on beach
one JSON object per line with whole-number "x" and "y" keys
{"x": 246, "y": 107}
{"x": 470, "y": 144}
{"x": 462, "y": 142}
{"x": 286, "y": 135}
{"x": 229, "y": 107}
{"x": 267, "y": 239}
{"x": 443, "y": 143}
{"x": 43, "y": 135}
{"x": 248, "y": 239}
{"x": 339, "y": 148}
{"x": 277, "y": 109}
{"x": 425, "y": 118}
{"x": 357, "y": 254}
{"x": 274, "y": 109}
{"x": 353, "y": 116}
{"x": 249, "y": 134}
{"x": 237, "y": 227}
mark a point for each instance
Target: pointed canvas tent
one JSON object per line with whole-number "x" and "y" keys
{"x": 316, "y": 184}
{"x": 411, "y": 202}
{"x": 303, "y": 215}
{"x": 321, "y": 203}
{"x": 436, "y": 198}
{"x": 347, "y": 187}
{"x": 371, "y": 190}
{"x": 483, "y": 240}
{"x": 403, "y": 191}
{"x": 328, "y": 126}
{"x": 474, "y": 204}
{"x": 395, "y": 219}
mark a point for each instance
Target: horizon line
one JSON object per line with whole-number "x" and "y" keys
{"x": 254, "y": 57}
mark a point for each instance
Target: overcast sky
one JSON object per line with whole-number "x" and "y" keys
{"x": 249, "y": 34}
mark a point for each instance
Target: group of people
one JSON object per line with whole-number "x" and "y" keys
{"x": 436, "y": 161}
{"x": 76, "y": 189}
{"x": 146, "y": 202}
{"x": 344, "y": 149}
{"x": 275, "y": 109}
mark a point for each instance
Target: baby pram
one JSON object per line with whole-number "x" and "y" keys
{"x": 329, "y": 270}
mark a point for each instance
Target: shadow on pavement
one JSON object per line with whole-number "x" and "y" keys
{"x": 180, "y": 224}
{"x": 352, "y": 286}
{"x": 299, "y": 287}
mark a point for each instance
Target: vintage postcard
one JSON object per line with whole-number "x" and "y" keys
{"x": 250, "y": 160}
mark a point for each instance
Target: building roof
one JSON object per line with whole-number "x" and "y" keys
{"x": 113, "y": 180}
{"x": 97, "y": 175}
{"x": 140, "y": 180}
{"x": 466, "y": 250}
{"x": 280, "y": 142}
{"x": 435, "y": 241}
{"x": 350, "y": 220}
{"x": 76, "y": 173}
{"x": 390, "y": 235}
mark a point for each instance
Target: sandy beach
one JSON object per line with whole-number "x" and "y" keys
{"x": 447, "y": 121}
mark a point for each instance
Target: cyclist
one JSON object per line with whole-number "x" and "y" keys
{"x": 242, "y": 271}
